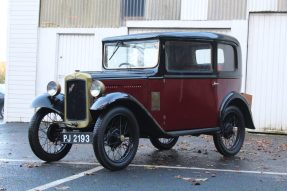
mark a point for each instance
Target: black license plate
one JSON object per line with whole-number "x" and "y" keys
{"x": 77, "y": 138}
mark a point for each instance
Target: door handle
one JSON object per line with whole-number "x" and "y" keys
{"x": 215, "y": 84}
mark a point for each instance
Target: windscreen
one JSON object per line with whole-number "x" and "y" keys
{"x": 131, "y": 54}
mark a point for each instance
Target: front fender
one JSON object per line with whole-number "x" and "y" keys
{"x": 148, "y": 125}
{"x": 105, "y": 101}
{"x": 55, "y": 103}
{"x": 239, "y": 101}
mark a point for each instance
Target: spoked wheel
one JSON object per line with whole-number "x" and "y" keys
{"x": 44, "y": 136}
{"x": 163, "y": 143}
{"x": 116, "y": 138}
{"x": 230, "y": 140}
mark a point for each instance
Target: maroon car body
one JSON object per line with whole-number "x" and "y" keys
{"x": 162, "y": 85}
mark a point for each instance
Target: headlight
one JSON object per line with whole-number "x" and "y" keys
{"x": 97, "y": 88}
{"x": 53, "y": 88}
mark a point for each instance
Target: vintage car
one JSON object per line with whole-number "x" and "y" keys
{"x": 156, "y": 85}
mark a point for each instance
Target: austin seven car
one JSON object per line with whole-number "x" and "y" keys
{"x": 157, "y": 86}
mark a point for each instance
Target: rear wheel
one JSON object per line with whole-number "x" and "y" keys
{"x": 231, "y": 137}
{"x": 163, "y": 143}
{"x": 116, "y": 138}
{"x": 44, "y": 136}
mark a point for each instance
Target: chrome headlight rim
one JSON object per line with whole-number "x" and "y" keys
{"x": 97, "y": 88}
{"x": 53, "y": 88}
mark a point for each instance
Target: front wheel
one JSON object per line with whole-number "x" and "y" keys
{"x": 163, "y": 143}
{"x": 116, "y": 138}
{"x": 231, "y": 137}
{"x": 44, "y": 136}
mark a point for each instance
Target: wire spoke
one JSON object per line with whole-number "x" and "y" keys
{"x": 229, "y": 135}
{"x": 117, "y": 143}
{"x": 48, "y": 128}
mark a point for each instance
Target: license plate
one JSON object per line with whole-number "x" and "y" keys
{"x": 77, "y": 138}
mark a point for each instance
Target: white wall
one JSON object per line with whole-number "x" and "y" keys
{"x": 21, "y": 59}
{"x": 48, "y": 50}
{"x": 3, "y": 29}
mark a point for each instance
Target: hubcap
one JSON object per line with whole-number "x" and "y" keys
{"x": 122, "y": 138}
{"x": 117, "y": 141}
{"x": 228, "y": 131}
{"x": 53, "y": 132}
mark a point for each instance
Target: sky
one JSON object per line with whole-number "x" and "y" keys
{"x": 3, "y": 29}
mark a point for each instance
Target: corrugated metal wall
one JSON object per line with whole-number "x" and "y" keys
{"x": 194, "y": 9}
{"x": 226, "y": 9}
{"x": 262, "y": 5}
{"x": 80, "y": 13}
{"x": 21, "y": 59}
{"x": 145, "y": 30}
{"x": 105, "y": 13}
{"x": 282, "y": 5}
{"x": 163, "y": 9}
{"x": 266, "y": 70}
{"x": 115, "y": 13}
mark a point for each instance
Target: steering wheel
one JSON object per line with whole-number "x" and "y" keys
{"x": 126, "y": 64}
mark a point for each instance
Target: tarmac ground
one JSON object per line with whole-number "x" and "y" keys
{"x": 193, "y": 164}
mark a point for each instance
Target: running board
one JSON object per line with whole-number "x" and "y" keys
{"x": 194, "y": 132}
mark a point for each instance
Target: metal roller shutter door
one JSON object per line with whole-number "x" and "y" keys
{"x": 267, "y": 70}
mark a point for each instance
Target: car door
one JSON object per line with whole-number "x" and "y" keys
{"x": 189, "y": 86}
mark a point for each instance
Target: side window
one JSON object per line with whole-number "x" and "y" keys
{"x": 225, "y": 58}
{"x": 183, "y": 56}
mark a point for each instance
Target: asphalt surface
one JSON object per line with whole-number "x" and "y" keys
{"x": 193, "y": 164}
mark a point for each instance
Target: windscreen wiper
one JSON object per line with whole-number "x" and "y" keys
{"x": 116, "y": 49}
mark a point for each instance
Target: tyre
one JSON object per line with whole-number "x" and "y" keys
{"x": 163, "y": 143}
{"x": 230, "y": 140}
{"x": 116, "y": 138}
{"x": 2, "y": 113}
{"x": 44, "y": 136}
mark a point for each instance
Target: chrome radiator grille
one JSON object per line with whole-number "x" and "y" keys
{"x": 76, "y": 99}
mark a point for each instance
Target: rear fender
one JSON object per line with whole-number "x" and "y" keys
{"x": 239, "y": 101}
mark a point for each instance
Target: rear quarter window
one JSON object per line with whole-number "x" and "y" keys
{"x": 225, "y": 58}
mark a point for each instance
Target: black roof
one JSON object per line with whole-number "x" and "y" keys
{"x": 179, "y": 35}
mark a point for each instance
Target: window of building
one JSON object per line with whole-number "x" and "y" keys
{"x": 133, "y": 8}
{"x": 225, "y": 58}
{"x": 188, "y": 56}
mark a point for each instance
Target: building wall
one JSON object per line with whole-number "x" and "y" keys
{"x": 162, "y": 9}
{"x": 262, "y": 5}
{"x": 47, "y": 65}
{"x": 226, "y": 10}
{"x": 80, "y": 13}
{"x": 194, "y": 9}
{"x": 282, "y": 5}
{"x": 33, "y": 50}
{"x": 21, "y": 59}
